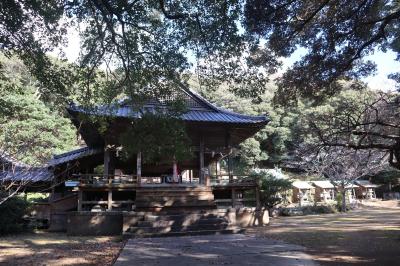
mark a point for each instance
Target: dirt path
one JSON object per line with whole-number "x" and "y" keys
{"x": 58, "y": 249}
{"x": 368, "y": 236}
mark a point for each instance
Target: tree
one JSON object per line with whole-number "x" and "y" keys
{"x": 145, "y": 47}
{"x": 277, "y": 140}
{"x": 343, "y": 166}
{"x": 30, "y": 131}
{"x": 359, "y": 120}
{"x": 149, "y": 47}
{"x": 336, "y": 36}
{"x": 271, "y": 189}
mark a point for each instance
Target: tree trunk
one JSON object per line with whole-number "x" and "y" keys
{"x": 344, "y": 200}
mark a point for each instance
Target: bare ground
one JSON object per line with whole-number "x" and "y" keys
{"x": 367, "y": 236}
{"x": 43, "y": 248}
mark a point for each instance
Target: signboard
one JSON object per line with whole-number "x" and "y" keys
{"x": 71, "y": 183}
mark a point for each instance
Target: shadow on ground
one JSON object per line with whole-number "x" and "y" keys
{"x": 57, "y": 249}
{"x": 368, "y": 236}
{"x": 212, "y": 250}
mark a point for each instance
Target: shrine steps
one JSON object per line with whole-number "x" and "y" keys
{"x": 164, "y": 224}
{"x": 176, "y": 211}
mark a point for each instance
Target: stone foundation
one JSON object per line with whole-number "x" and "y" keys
{"x": 116, "y": 223}
{"x": 94, "y": 223}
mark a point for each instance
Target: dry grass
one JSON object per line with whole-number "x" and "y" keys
{"x": 368, "y": 236}
{"x": 43, "y": 248}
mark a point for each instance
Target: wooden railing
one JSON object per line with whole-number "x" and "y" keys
{"x": 131, "y": 180}
{"x": 105, "y": 180}
{"x": 225, "y": 179}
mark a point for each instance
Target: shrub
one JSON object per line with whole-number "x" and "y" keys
{"x": 12, "y": 215}
{"x": 272, "y": 188}
{"x": 339, "y": 198}
{"x": 37, "y": 197}
{"x": 307, "y": 210}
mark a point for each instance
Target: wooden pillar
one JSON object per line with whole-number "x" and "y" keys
{"x": 230, "y": 170}
{"x": 139, "y": 168}
{"x": 175, "y": 171}
{"x": 228, "y": 145}
{"x": 80, "y": 197}
{"x": 201, "y": 155}
{"x": 106, "y": 162}
{"x": 109, "y": 200}
{"x": 109, "y": 161}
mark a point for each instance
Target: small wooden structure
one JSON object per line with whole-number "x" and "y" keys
{"x": 324, "y": 191}
{"x": 302, "y": 193}
{"x": 365, "y": 189}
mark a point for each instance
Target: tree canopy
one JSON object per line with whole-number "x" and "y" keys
{"x": 32, "y": 129}
{"x": 149, "y": 47}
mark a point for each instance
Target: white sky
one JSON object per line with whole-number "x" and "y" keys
{"x": 386, "y": 62}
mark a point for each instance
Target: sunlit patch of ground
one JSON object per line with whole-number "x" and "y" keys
{"x": 367, "y": 236}
{"x": 42, "y": 248}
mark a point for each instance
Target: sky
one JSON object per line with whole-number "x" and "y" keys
{"x": 386, "y": 62}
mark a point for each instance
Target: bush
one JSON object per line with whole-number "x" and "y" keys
{"x": 272, "y": 189}
{"x": 37, "y": 197}
{"x": 307, "y": 210}
{"x": 339, "y": 198}
{"x": 12, "y": 215}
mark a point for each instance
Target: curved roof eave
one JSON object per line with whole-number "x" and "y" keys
{"x": 215, "y": 115}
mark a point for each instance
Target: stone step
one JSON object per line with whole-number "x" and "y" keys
{"x": 173, "y": 189}
{"x": 175, "y": 197}
{"x": 178, "y": 228}
{"x": 172, "y": 203}
{"x": 231, "y": 230}
{"x": 182, "y": 211}
{"x": 179, "y": 217}
{"x": 162, "y": 222}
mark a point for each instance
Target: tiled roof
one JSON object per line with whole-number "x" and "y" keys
{"x": 199, "y": 110}
{"x": 73, "y": 155}
{"x": 301, "y": 185}
{"x": 323, "y": 184}
{"x": 349, "y": 186}
{"x": 5, "y": 158}
{"x": 14, "y": 170}
{"x": 28, "y": 175}
{"x": 365, "y": 183}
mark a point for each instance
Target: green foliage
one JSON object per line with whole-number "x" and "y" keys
{"x": 12, "y": 212}
{"x": 334, "y": 38}
{"x": 272, "y": 189}
{"x": 339, "y": 201}
{"x": 308, "y": 210}
{"x": 37, "y": 197}
{"x": 152, "y": 45}
{"x": 31, "y": 127}
{"x": 386, "y": 177}
{"x": 159, "y": 136}
{"x": 275, "y": 141}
